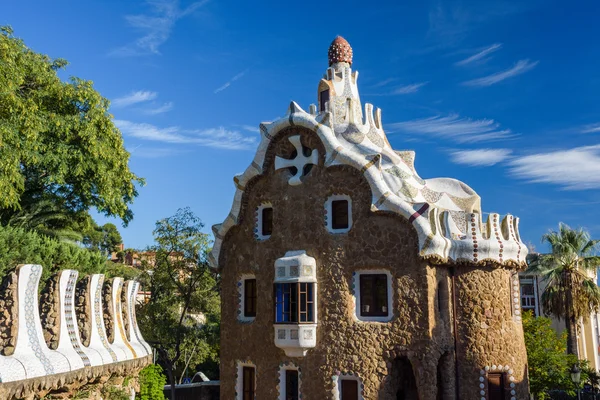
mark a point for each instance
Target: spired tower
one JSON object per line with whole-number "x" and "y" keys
{"x": 345, "y": 275}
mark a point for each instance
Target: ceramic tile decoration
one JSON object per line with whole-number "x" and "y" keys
{"x": 33, "y": 358}
{"x": 432, "y": 205}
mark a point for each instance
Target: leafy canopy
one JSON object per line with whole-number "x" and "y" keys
{"x": 548, "y": 362}
{"x": 57, "y": 139}
{"x": 568, "y": 270}
{"x": 181, "y": 319}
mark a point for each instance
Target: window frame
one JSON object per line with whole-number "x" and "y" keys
{"x": 329, "y": 213}
{"x": 241, "y": 315}
{"x": 241, "y": 368}
{"x": 297, "y": 310}
{"x": 526, "y": 280}
{"x": 258, "y": 229}
{"x": 337, "y": 393}
{"x": 250, "y": 313}
{"x": 283, "y": 382}
{"x": 358, "y": 296}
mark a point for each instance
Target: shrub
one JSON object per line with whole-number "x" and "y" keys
{"x": 152, "y": 383}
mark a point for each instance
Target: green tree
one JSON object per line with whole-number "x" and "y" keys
{"x": 181, "y": 320}
{"x": 105, "y": 238}
{"x": 58, "y": 142}
{"x": 568, "y": 270}
{"x": 152, "y": 382}
{"x": 548, "y": 362}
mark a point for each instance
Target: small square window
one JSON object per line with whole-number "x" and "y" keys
{"x": 496, "y": 386}
{"x": 339, "y": 214}
{"x": 250, "y": 298}
{"x": 248, "y": 384}
{"x": 349, "y": 389}
{"x": 267, "y": 221}
{"x": 291, "y": 385}
{"x": 323, "y": 99}
{"x": 373, "y": 295}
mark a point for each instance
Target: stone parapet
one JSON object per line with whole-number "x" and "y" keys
{"x": 42, "y": 347}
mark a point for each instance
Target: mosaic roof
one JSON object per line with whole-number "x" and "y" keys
{"x": 445, "y": 212}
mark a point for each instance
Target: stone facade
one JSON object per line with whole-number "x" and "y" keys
{"x": 452, "y": 319}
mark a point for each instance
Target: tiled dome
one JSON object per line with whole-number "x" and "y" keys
{"x": 340, "y": 51}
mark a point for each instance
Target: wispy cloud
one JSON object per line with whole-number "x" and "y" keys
{"x": 134, "y": 98}
{"x": 519, "y": 68}
{"x": 155, "y": 27}
{"x": 227, "y": 84}
{"x": 250, "y": 128}
{"x": 591, "y": 128}
{"x": 480, "y": 55}
{"x": 454, "y": 127}
{"x": 480, "y": 157}
{"x": 213, "y": 137}
{"x": 407, "y": 89}
{"x": 572, "y": 169}
{"x": 384, "y": 82}
{"x": 160, "y": 109}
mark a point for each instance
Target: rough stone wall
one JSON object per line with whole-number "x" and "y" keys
{"x": 83, "y": 310}
{"x": 107, "y": 310}
{"x": 50, "y": 311}
{"x": 125, "y": 312}
{"x": 422, "y": 328}
{"x": 489, "y": 335}
{"x": 9, "y": 313}
{"x": 377, "y": 240}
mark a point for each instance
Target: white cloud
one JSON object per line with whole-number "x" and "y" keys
{"x": 407, "y": 89}
{"x": 213, "y": 137}
{"x": 161, "y": 109}
{"x": 134, "y": 98}
{"x": 155, "y": 27}
{"x": 480, "y": 157}
{"x": 384, "y": 82}
{"x": 592, "y": 128}
{"x": 481, "y": 54}
{"x": 519, "y": 68}
{"x": 454, "y": 127}
{"x": 573, "y": 169}
{"x": 250, "y": 128}
{"x": 226, "y": 85}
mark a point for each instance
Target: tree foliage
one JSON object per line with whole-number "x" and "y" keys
{"x": 152, "y": 382}
{"x": 18, "y": 246}
{"x": 58, "y": 142}
{"x": 181, "y": 320}
{"x": 548, "y": 362}
{"x": 105, "y": 238}
{"x": 568, "y": 270}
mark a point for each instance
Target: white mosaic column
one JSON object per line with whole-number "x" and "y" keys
{"x": 135, "y": 337}
{"x": 98, "y": 339}
{"x": 69, "y": 342}
{"x": 120, "y": 342}
{"x": 31, "y": 349}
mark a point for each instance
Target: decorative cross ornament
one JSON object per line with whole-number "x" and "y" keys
{"x": 298, "y": 162}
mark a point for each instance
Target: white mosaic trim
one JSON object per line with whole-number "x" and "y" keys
{"x": 239, "y": 378}
{"x": 31, "y": 349}
{"x": 515, "y": 296}
{"x": 281, "y": 384}
{"x": 241, "y": 286}
{"x": 328, "y": 217}
{"x": 496, "y": 368}
{"x": 134, "y": 338}
{"x": 356, "y": 295}
{"x": 258, "y": 221}
{"x": 350, "y": 375}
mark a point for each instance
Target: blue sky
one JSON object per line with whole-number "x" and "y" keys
{"x": 501, "y": 95}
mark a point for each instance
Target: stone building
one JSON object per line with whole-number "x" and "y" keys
{"x": 347, "y": 276}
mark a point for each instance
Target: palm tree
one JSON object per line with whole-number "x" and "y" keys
{"x": 568, "y": 271}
